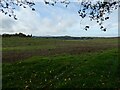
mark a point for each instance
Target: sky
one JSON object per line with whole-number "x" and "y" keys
{"x": 56, "y": 21}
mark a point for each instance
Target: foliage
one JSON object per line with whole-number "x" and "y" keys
{"x": 16, "y": 35}
{"x": 8, "y": 6}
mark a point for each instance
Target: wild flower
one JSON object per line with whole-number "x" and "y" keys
{"x": 25, "y": 81}
{"x": 50, "y": 84}
{"x": 103, "y": 83}
{"x": 26, "y": 86}
{"x": 30, "y": 80}
{"x": 45, "y": 79}
{"x": 74, "y": 75}
{"x": 35, "y": 74}
{"x": 69, "y": 79}
{"x": 83, "y": 84}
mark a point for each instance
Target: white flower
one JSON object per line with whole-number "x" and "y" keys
{"x": 45, "y": 79}
{"x": 83, "y": 84}
{"x": 50, "y": 84}
{"x": 30, "y": 80}
{"x": 103, "y": 83}
{"x": 69, "y": 79}
{"x": 26, "y": 86}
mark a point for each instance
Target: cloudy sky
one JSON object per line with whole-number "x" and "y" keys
{"x": 55, "y": 21}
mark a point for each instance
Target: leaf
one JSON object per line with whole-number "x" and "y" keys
{"x": 106, "y": 18}
{"x": 101, "y": 27}
{"x": 46, "y": 2}
{"x": 87, "y": 27}
{"x": 33, "y": 9}
{"x": 104, "y": 29}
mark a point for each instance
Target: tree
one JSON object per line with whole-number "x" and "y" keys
{"x": 94, "y": 10}
{"x": 8, "y": 6}
{"x": 16, "y": 35}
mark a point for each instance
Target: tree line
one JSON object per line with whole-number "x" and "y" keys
{"x": 16, "y": 35}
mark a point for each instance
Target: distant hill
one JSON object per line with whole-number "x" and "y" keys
{"x": 70, "y": 37}
{"x": 63, "y": 37}
{"x": 52, "y": 37}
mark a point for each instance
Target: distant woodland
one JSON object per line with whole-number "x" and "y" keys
{"x": 16, "y": 35}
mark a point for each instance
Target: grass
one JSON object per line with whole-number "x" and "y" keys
{"x": 98, "y": 70}
{"x": 68, "y": 64}
{"x": 23, "y": 44}
{"x": 15, "y": 49}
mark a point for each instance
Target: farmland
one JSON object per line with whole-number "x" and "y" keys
{"x": 30, "y": 63}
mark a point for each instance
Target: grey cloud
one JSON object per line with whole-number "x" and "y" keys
{"x": 6, "y": 24}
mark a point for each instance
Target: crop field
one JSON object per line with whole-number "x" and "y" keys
{"x": 30, "y": 63}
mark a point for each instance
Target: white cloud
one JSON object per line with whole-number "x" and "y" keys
{"x": 66, "y": 0}
{"x": 33, "y": 22}
{"x": 48, "y": 20}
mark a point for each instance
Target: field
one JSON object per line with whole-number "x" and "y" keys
{"x": 30, "y": 63}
